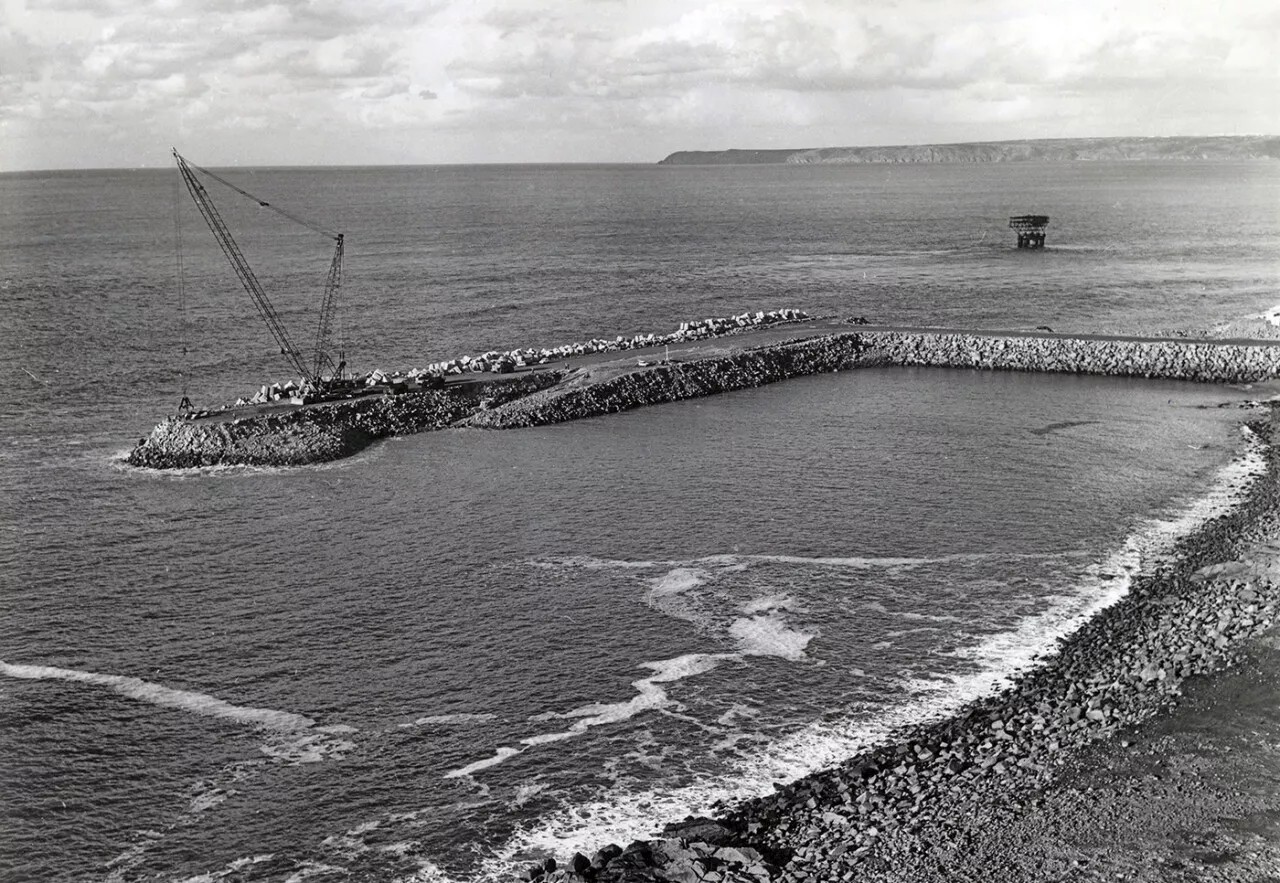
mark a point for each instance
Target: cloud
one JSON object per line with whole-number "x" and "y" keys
{"x": 661, "y": 73}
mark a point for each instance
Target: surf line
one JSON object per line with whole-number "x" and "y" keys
{"x": 166, "y": 697}
{"x": 650, "y": 697}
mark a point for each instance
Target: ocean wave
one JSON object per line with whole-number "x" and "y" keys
{"x": 459, "y": 718}
{"x": 166, "y": 697}
{"x": 769, "y": 635}
{"x": 680, "y": 579}
{"x": 738, "y": 561}
{"x": 650, "y": 696}
{"x": 502, "y": 754}
{"x": 314, "y": 746}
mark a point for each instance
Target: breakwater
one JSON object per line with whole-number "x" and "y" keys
{"x": 609, "y": 390}
{"x": 612, "y": 391}
{"x": 320, "y": 433}
{"x": 324, "y": 432}
{"x": 906, "y": 808}
{"x": 1201, "y": 361}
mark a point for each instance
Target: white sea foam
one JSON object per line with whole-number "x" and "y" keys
{"x": 235, "y": 867}
{"x": 459, "y": 718}
{"x": 769, "y": 635}
{"x": 526, "y": 792}
{"x": 503, "y": 753}
{"x": 679, "y": 580}
{"x": 650, "y": 696}
{"x": 311, "y": 869}
{"x": 625, "y": 816}
{"x": 766, "y": 603}
{"x": 166, "y": 697}
{"x": 314, "y": 746}
{"x": 588, "y": 562}
{"x": 425, "y": 873}
{"x": 736, "y": 711}
{"x": 208, "y": 800}
{"x": 922, "y": 617}
{"x": 673, "y": 594}
{"x": 734, "y": 562}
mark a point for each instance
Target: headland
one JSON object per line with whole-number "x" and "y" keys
{"x": 1210, "y": 147}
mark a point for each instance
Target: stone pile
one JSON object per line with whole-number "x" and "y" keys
{"x": 897, "y": 811}
{"x": 273, "y": 393}
{"x": 504, "y": 362}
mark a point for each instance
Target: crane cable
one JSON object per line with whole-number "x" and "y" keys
{"x": 185, "y": 334}
{"x": 316, "y": 228}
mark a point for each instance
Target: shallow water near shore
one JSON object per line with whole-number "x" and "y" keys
{"x": 461, "y": 648}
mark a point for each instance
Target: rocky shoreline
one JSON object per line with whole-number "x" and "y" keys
{"x": 324, "y": 432}
{"x": 909, "y": 809}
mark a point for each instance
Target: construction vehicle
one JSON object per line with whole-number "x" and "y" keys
{"x": 325, "y": 373}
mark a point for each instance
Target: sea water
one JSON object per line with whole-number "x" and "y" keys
{"x": 459, "y": 650}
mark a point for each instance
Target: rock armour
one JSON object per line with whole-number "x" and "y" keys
{"x": 1165, "y": 359}
{"x": 327, "y": 432}
{"x": 320, "y": 433}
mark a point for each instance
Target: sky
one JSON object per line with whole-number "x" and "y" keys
{"x": 116, "y": 83}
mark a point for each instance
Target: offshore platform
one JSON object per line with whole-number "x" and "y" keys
{"x": 1030, "y": 229}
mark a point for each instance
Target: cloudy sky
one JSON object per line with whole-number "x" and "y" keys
{"x": 104, "y": 83}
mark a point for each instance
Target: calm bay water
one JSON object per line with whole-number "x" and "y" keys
{"x": 461, "y": 647}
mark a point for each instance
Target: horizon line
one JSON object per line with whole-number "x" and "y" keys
{"x": 19, "y": 171}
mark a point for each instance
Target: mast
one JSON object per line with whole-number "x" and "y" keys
{"x": 328, "y": 305}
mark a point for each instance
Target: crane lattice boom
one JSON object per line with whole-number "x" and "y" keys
{"x": 328, "y": 305}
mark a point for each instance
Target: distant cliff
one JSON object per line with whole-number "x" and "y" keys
{"x": 1213, "y": 147}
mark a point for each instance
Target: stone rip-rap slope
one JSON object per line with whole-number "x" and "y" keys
{"x": 901, "y": 810}
{"x": 325, "y": 432}
{"x": 320, "y": 433}
{"x": 1202, "y": 362}
{"x": 607, "y": 390}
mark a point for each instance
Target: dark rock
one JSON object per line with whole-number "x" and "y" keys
{"x": 605, "y": 854}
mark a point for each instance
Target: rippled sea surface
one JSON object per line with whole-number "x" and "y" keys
{"x": 459, "y": 649}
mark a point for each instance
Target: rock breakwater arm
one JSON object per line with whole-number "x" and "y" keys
{"x": 1200, "y": 361}
{"x": 320, "y": 433}
{"x": 610, "y": 390}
